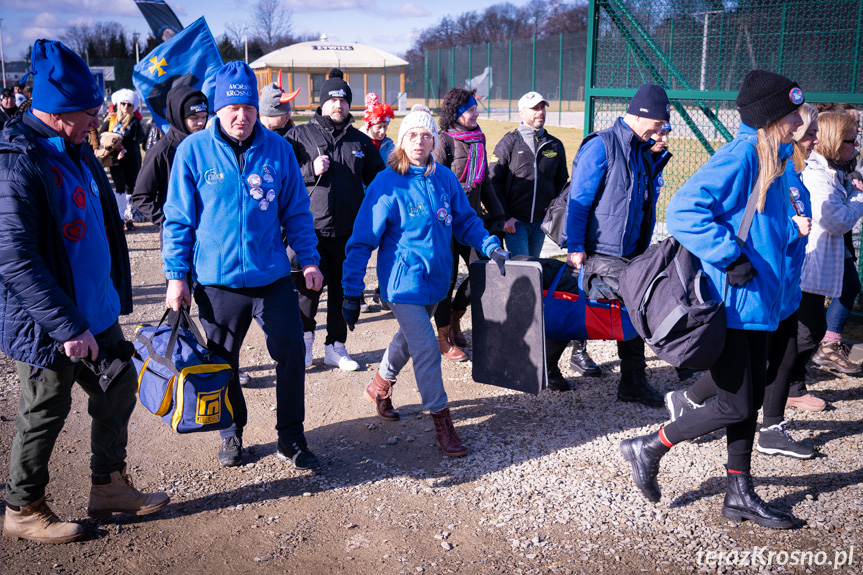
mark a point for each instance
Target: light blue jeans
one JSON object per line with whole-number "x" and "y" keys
{"x": 416, "y": 339}
{"x": 527, "y": 239}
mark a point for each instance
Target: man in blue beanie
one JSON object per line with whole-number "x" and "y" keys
{"x": 612, "y": 211}
{"x": 232, "y": 189}
{"x": 64, "y": 280}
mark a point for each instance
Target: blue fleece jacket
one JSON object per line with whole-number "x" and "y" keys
{"x": 705, "y": 214}
{"x": 225, "y": 225}
{"x": 411, "y": 219}
{"x": 799, "y": 195}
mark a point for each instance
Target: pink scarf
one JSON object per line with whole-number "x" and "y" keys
{"x": 474, "y": 168}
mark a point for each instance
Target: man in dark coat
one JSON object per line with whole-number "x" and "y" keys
{"x": 64, "y": 280}
{"x": 337, "y": 161}
{"x": 186, "y": 112}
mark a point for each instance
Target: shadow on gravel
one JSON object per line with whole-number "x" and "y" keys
{"x": 814, "y": 485}
{"x": 830, "y": 429}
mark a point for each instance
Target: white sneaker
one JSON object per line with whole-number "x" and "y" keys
{"x": 309, "y": 338}
{"x": 337, "y": 356}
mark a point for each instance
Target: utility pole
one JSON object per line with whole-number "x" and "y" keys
{"x": 137, "y": 55}
{"x": 2, "y": 57}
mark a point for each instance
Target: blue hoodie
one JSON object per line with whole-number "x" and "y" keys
{"x": 705, "y": 214}
{"x": 797, "y": 249}
{"x": 218, "y": 221}
{"x": 411, "y": 219}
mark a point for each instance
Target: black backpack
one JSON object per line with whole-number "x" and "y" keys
{"x": 667, "y": 295}
{"x": 554, "y": 222}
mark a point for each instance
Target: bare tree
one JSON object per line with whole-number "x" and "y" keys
{"x": 271, "y": 23}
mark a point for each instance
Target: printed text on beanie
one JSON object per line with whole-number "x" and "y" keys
{"x": 235, "y": 85}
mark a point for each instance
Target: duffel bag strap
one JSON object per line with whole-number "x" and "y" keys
{"x": 746, "y": 222}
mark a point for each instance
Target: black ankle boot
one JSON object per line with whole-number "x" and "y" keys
{"x": 635, "y": 388}
{"x": 741, "y": 502}
{"x": 644, "y": 454}
{"x": 581, "y": 362}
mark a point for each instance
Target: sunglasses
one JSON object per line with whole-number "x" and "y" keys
{"x": 849, "y": 141}
{"x": 126, "y": 104}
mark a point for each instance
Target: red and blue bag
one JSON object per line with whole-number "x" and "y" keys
{"x": 575, "y": 316}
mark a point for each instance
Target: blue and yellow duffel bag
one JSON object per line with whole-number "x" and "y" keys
{"x": 179, "y": 379}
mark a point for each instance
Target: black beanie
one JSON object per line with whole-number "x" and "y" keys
{"x": 194, "y": 104}
{"x": 650, "y": 101}
{"x": 766, "y": 97}
{"x": 336, "y": 87}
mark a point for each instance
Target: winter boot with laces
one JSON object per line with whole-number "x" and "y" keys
{"x": 115, "y": 493}
{"x": 36, "y": 522}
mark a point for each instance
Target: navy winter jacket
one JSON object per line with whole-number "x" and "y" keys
{"x": 37, "y": 293}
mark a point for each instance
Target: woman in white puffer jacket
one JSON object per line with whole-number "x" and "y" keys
{"x": 829, "y": 269}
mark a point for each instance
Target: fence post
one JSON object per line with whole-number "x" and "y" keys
{"x": 452, "y": 66}
{"x": 438, "y": 75}
{"x": 533, "y": 71}
{"x": 488, "y": 80}
{"x": 856, "y": 58}
{"x": 782, "y": 37}
{"x": 560, "y": 82}
{"x": 509, "y": 88}
{"x": 470, "y": 63}
{"x": 592, "y": 24}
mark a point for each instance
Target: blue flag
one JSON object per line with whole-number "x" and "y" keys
{"x": 189, "y": 57}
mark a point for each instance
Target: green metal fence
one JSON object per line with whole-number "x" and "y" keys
{"x": 502, "y": 72}
{"x": 699, "y": 52}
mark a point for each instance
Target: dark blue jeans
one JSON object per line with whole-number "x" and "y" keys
{"x": 840, "y": 308}
{"x": 226, "y": 314}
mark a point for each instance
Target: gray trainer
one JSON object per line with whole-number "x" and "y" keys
{"x": 677, "y": 403}
{"x": 775, "y": 440}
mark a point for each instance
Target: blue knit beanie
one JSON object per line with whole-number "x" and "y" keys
{"x": 235, "y": 84}
{"x": 62, "y": 82}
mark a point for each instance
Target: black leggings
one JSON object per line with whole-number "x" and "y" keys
{"x": 781, "y": 353}
{"x": 740, "y": 374}
{"x": 811, "y": 327}
{"x": 462, "y": 296}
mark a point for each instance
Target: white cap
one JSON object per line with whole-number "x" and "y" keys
{"x": 419, "y": 117}
{"x": 530, "y": 100}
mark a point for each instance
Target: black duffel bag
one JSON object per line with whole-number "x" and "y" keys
{"x": 668, "y": 298}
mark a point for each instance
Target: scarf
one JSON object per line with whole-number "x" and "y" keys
{"x": 474, "y": 168}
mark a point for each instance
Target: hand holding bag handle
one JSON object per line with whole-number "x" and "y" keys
{"x": 165, "y": 359}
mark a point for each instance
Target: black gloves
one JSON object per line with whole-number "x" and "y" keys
{"x": 740, "y": 271}
{"x": 500, "y": 255}
{"x": 600, "y": 290}
{"x": 497, "y": 226}
{"x": 111, "y": 363}
{"x": 351, "y": 310}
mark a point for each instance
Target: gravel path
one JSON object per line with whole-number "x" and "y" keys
{"x": 544, "y": 489}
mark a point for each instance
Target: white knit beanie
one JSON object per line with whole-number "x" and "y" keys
{"x": 419, "y": 117}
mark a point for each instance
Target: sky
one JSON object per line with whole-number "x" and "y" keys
{"x": 384, "y": 24}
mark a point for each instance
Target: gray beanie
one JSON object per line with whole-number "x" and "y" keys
{"x": 270, "y": 103}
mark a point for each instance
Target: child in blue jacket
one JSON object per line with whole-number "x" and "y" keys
{"x": 410, "y": 213}
{"x": 704, "y": 217}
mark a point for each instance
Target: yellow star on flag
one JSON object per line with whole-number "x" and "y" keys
{"x": 157, "y": 65}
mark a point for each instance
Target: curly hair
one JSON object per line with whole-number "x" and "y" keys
{"x": 453, "y": 100}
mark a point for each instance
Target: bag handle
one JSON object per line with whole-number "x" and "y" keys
{"x": 555, "y": 281}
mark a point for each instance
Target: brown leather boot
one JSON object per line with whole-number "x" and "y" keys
{"x": 36, "y": 522}
{"x": 119, "y": 495}
{"x": 455, "y": 334}
{"x": 449, "y": 351}
{"x": 449, "y": 441}
{"x": 380, "y": 392}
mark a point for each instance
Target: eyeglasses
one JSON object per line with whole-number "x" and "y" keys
{"x": 852, "y": 142}
{"x": 93, "y": 115}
